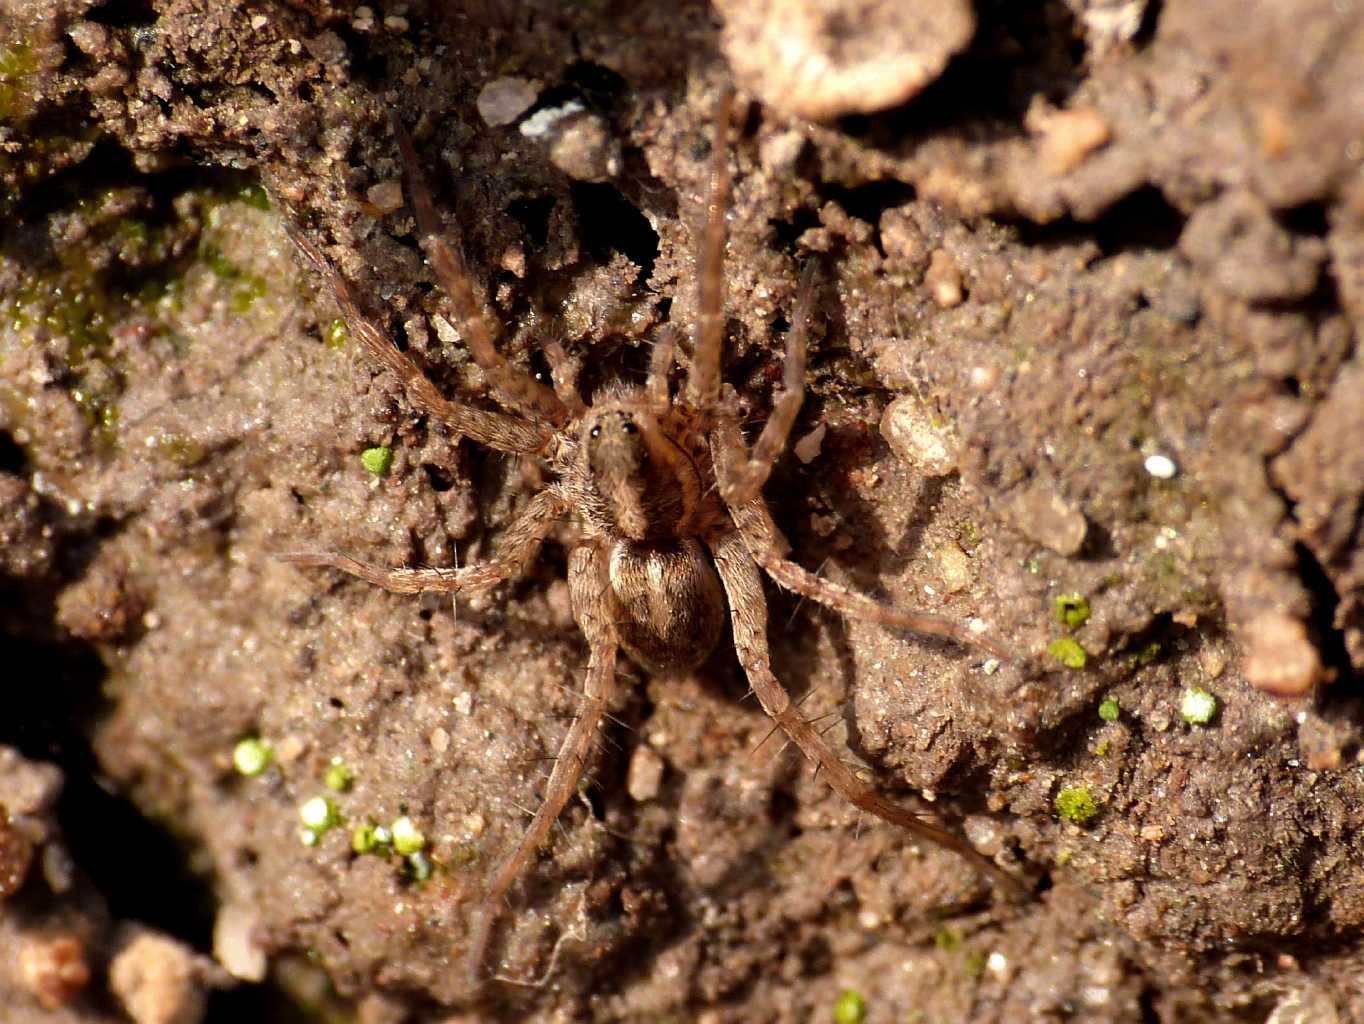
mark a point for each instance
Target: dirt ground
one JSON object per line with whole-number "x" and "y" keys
{"x": 1085, "y": 370}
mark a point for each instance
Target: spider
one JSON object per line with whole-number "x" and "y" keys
{"x": 675, "y": 533}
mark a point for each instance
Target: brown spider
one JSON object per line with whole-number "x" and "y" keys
{"x": 674, "y": 530}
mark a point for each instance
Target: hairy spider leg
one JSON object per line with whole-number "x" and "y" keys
{"x": 768, "y": 547}
{"x": 515, "y": 548}
{"x": 563, "y": 372}
{"x": 742, "y": 481}
{"x": 660, "y": 365}
{"x": 593, "y": 616}
{"x": 703, "y": 382}
{"x": 514, "y": 388}
{"x": 497, "y": 430}
{"x": 748, "y": 616}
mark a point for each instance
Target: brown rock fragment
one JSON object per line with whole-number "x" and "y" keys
{"x": 158, "y": 980}
{"x": 943, "y": 279}
{"x": 1066, "y": 138}
{"x": 53, "y": 968}
{"x": 913, "y": 435}
{"x": 1046, "y": 517}
{"x": 1280, "y": 658}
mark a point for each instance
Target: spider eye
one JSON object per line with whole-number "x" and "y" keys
{"x": 629, "y": 427}
{"x": 595, "y": 432}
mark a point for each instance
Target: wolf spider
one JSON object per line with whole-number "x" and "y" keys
{"x": 674, "y": 529}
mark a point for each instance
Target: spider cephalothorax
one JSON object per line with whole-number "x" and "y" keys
{"x": 674, "y": 530}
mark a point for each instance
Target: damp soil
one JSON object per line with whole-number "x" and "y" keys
{"x": 1085, "y": 368}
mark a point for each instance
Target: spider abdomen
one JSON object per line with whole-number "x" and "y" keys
{"x": 667, "y": 603}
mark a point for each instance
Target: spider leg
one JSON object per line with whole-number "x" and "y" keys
{"x": 496, "y": 430}
{"x": 741, "y": 483}
{"x": 703, "y": 382}
{"x": 590, "y": 610}
{"x": 514, "y": 388}
{"x": 660, "y": 364}
{"x": 564, "y": 371}
{"x": 748, "y": 615}
{"x": 516, "y": 548}
{"x": 768, "y": 548}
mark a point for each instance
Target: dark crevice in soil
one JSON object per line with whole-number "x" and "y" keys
{"x": 1308, "y": 219}
{"x": 787, "y": 232}
{"x": 1330, "y": 641}
{"x": 138, "y": 867}
{"x": 533, "y": 214}
{"x": 123, "y": 14}
{"x": 1140, "y": 222}
{"x": 987, "y": 89}
{"x": 597, "y": 85}
{"x": 608, "y": 222}
{"x": 12, "y": 457}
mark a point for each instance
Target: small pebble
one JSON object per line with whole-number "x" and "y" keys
{"x": 1068, "y": 137}
{"x": 954, "y": 567}
{"x": 1281, "y": 658}
{"x": 503, "y": 100}
{"x": 1162, "y": 467}
{"x": 645, "y": 775}
{"x": 158, "y": 980}
{"x": 53, "y": 968}
{"x": 913, "y": 435}
{"x": 1047, "y": 518}
{"x": 439, "y": 740}
{"x": 944, "y": 280}
{"x": 234, "y": 942}
{"x": 386, "y": 196}
{"x": 807, "y": 448}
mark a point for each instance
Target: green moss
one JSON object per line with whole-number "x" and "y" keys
{"x": 377, "y": 460}
{"x": 336, "y": 334}
{"x": 253, "y": 195}
{"x": 407, "y": 838}
{"x": 1146, "y": 654}
{"x": 1072, "y": 610}
{"x": 339, "y": 776}
{"x": 1068, "y": 652}
{"x": 181, "y": 450}
{"x": 319, "y": 814}
{"x": 463, "y": 855}
{"x": 1109, "y": 710}
{"x": 850, "y": 1007}
{"x": 17, "y": 65}
{"x": 364, "y": 838}
{"x": 218, "y": 263}
{"x": 252, "y": 756}
{"x": 1076, "y": 805}
{"x": 1198, "y": 706}
{"x": 1101, "y": 748}
{"x": 968, "y": 536}
{"x": 973, "y": 964}
{"x": 947, "y": 939}
{"x": 244, "y": 296}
